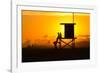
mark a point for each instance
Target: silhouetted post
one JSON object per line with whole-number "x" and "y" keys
{"x": 60, "y": 37}
{"x": 73, "y": 43}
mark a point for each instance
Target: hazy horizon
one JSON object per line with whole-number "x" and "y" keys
{"x": 41, "y": 27}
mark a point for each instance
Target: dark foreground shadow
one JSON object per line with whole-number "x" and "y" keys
{"x": 36, "y": 54}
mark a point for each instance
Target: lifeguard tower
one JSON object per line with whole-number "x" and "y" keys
{"x": 68, "y": 34}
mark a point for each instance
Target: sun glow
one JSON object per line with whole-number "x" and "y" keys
{"x": 42, "y": 26}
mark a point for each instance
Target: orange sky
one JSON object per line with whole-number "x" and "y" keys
{"x": 42, "y": 27}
